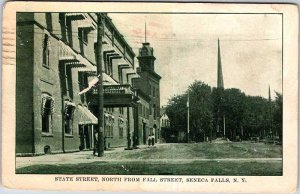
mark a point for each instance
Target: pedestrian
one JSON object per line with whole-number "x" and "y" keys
{"x": 95, "y": 143}
{"x": 149, "y": 140}
{"x": 105, "y": 148}
{"x": 151, "y": 137}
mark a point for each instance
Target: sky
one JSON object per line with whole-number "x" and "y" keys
{"x": 186, "y": 46}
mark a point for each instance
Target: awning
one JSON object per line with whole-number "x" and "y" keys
{"x": 92, "y": 116}
{"x": 89, "y": 70}
{"x": 46, "y": 99}
{"x": 106, "y": 78}
{"x": 85, "y": 24}
{"x": 76, "y": 16}
{"x": 65, "y": 52}
{"x": 86, "y": 117}
{"x": 67, "y": 103}
{"x": 109, "y": 80}
{"x": 70, "y": 57}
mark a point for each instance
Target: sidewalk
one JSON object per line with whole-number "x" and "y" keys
{"x": 74, "y": 157}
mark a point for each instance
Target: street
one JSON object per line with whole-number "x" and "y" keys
{"x": 242, "y": 158}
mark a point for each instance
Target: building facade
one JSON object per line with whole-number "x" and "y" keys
{"x": 148, "y": 83}
{"x": 56, "y": 61}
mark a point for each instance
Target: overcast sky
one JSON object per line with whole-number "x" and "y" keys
{"x": 185, "y": 47}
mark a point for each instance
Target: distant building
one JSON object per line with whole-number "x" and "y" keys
{"x": 164, "y": 119}
{"x": 55, "y": 61}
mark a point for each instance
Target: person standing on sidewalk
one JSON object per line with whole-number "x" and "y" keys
{"x": 95, "y": 143}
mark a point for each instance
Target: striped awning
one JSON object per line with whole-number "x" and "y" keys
{"x": 47, "y": 105}
{"x": 86, "y": 117}
{"x": 90, "y": 70}
{"x": 65, "y": 52}
{"x": 106, "y": 78}
{"x": 70, "y": 57}
{"x": 109, "y": 80}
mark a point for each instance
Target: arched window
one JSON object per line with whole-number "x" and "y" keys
{"x": 47, "y": 111}
{"x": 46, "y": 51}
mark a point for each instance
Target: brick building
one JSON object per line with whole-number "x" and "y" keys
{"x": 55, "y": 61}
{"x": 148, "y": 83}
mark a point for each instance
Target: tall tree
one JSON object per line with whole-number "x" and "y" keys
{"x": 277, "y": 115}
{"x": 201, "y": 116}
{"x": 246, "y": 116}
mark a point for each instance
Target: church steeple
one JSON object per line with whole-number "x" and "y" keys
{"x": 220, "y": 83}
{"x": 145, "y": 32}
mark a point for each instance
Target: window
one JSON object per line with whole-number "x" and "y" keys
{"x": 69, "y": 113}
{"x": 83, "y": 35}
{"x": 144, "y": 51}
{"x": 154, "y": 111}
{"x": 47, "y": 111}
{"x": 46, "y": 51}
{"x": 109, "y": 126}
{"x": 69, "y": 81}
{"x": 110, "y": 66}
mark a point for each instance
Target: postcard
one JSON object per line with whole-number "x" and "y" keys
{"x": 119, "y": 96}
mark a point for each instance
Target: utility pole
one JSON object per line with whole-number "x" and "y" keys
{"x": 188, "y": 117}
{"x": 224, "y": 125}
{"x": 100, "y": 29}
{"x": 128, "y": 130}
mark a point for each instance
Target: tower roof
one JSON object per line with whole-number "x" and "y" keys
{"x": 146, "y": 50}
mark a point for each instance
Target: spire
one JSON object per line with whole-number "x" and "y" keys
{"x": 220, "y": 83}
{"x": 145, "y": 30}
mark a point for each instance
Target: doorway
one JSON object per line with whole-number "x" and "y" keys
{"x": 144, "y": 134}
{"x": 85, "y": 136}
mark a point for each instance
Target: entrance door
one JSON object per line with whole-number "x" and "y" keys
{"x": 144, "y": 134}
{"x": 87, "y": 137}
{"x": 81, "y": 137}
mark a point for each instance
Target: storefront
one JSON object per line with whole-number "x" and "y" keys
{"x": 86, "y": 126}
